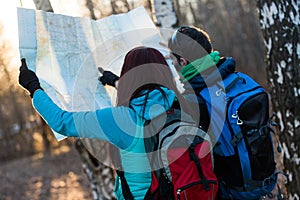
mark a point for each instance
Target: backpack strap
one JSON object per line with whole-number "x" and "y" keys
{"x": 230, "y": 85}
{"x": 273, "y": 123}
{"x": 262, "y": 130}
{"x": 125, "y": 187}
{"x": 236, "y": 138}
{"x": 118, "y": 163}
{"x": 257, "y": 184}
{"x": 115, "y": 152}
{"x": 197, "y": 162}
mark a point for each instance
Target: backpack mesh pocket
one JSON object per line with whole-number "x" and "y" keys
{"x": 254, "y": 115}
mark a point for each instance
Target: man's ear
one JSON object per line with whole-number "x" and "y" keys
{"x": 183, "y": 62}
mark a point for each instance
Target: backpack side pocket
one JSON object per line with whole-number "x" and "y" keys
{"x": 254, "y": 122}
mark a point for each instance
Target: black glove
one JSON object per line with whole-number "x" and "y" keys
{"x": 108, "y": 78}
{"x": 28, "y": 78}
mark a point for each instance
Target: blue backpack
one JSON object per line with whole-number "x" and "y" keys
{"x": 241, "y": 127}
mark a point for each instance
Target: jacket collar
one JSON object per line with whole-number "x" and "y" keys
{"x": 224, "y": 67}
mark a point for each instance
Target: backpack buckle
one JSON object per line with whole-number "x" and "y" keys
{"x": 236, "y": 138}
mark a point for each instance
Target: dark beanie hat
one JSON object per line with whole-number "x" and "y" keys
{"x": 190, "y": 43}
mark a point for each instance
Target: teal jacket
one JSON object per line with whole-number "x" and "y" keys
{"x": 121, "y": 126}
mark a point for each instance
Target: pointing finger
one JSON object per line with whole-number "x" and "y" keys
{"x": 101, "y": 70}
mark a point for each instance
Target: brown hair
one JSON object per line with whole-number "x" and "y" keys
{"x": 145, "y": 69}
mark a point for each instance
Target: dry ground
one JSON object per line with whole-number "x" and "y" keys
{"x": 56, "y": 175}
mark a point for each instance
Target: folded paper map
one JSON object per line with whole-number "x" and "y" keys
{"x": 65, "y": 52}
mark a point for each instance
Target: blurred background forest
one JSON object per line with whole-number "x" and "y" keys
{"x": 234, "y": 29}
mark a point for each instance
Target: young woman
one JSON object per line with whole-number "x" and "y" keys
{"x": 146, "y": 90}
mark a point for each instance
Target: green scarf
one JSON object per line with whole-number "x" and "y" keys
{"x": 197, "y": 66}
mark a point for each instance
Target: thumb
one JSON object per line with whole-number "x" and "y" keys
{"x": 24, "y": 65}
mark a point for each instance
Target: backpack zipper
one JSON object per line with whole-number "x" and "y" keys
{"x": 179, "y": 190}
{"x": 235, "y": 115}
{"x": 239, "y": 120}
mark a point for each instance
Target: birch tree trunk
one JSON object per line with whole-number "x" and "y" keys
{"x": 165, "y": 13}
{"x": 44, "y": 5}
{"x": 280, "y": 25}
{"x": 164, "y": 16}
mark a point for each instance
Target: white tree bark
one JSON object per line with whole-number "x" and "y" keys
{"x": 44, "y": 5}
{"x": 280, "y": 22}
{"x": 165, "y": 13}
{"x": 165, "y": 17}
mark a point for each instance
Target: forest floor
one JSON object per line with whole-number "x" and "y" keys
{"x": 53, "y": 175}
{"x": 56, "y": 174}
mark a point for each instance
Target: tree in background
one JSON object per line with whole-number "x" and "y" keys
{"x": 234, "y": 30}
{"x": 280, "y": 25}
{"x": 165, "y": 15}
{"x": 16, "y": 114}
{"x": 6, "y": 92}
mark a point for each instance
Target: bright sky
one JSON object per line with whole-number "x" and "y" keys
{"x": 8, "y": 13}
{"x": 8, "y": 19}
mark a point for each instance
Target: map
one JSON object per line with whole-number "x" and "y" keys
{"x": 65, "y": 52}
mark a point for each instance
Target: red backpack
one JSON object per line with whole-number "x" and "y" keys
{"x": 181, "y": 161}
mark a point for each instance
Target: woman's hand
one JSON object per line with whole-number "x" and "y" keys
{"x": 108, "y": 78}
{"x": 28, "y": 79}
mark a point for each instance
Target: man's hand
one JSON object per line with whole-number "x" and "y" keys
{"x": 28, "y": 78}
{"x": 108, "y": 78}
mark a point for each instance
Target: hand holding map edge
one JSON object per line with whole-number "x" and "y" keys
{"x": 108, "y": 78}
{"x": 28, "y": 79}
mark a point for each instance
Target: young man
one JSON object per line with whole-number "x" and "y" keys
{"x": 238, "y": 115}
{"x": 198, "y": 64}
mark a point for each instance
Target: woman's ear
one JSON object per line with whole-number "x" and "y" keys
{"x": 183, "y": 62}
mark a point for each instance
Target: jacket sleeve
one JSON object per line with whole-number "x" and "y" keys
{"x": 105, "y": 124}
